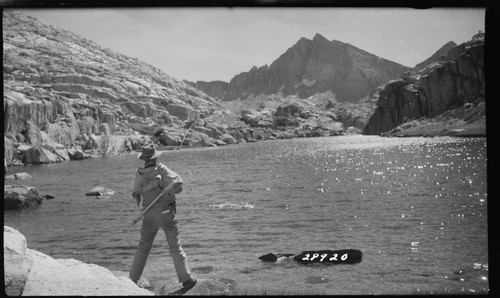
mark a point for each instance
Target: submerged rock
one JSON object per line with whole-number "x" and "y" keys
{"x": 100, "y": 191}
{"x": 18, "y": 176}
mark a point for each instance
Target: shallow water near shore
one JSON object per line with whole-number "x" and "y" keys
{"x": 415, "y": 207}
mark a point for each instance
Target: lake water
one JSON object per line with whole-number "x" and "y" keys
{"x": 415, "y": 207}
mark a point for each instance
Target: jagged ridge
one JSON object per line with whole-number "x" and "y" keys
{"x": 311, "y": 67}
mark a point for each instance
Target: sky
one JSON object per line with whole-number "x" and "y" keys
{"x": 217, "y": 43}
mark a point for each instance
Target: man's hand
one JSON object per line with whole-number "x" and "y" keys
{"x": 137, "y": 198}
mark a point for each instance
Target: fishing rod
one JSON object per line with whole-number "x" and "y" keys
{"x": 145, "y": 209}
{"x": 182, "y": 142}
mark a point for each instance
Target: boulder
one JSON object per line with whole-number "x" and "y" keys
{"x": 20, "y": 196}
{"x": 40, "y": 155}
{"x": 31, "y": 273}
{"x": 219, "y": 142}
{"x": 62, "y": 153}
{"x": 197, "y": 139}
{"x": 261, "y": 118}
{"x": 229, "y": 139}
{"x": 136, "y": 141}
{"x": 171, "y": 138}
{"x": 181, "y": 111}
{"x": 216, "y": 133}
{"x": 204, "y": 130}
{"x": 76, "y": 154}
{"x": 16, "y": 263}
{"x": 288, "y": 110}
{"x": 51, "y": 146}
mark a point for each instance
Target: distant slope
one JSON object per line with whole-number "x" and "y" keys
{"x": 215, "y": 89}
{"x": 67, "y": 86}
{"x": 311, "y": 67}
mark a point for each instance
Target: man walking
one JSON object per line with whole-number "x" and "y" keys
{"x": 150, "y": 181}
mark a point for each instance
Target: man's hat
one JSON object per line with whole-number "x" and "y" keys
{"x": 148, "y": 152}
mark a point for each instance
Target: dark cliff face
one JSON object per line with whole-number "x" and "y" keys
{"x": 449, "y": 83}
{"x": 315, "y": 66}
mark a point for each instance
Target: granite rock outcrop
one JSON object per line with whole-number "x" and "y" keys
{"x": 61, "y": 89}
{"x": 29, "y": 272}
{"x": 456, "y": 81}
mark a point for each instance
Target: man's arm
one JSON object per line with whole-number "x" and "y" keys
{"x": 136, "y": 193}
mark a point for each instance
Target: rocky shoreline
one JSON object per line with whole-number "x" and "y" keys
{"x": 466, "y": 121}
{"x": 28, "y": 272}
{"x": 31, "y": 273}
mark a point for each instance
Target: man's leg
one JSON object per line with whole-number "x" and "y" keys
{"x": 148, "y": 233}
{"x": 179, "y": 256}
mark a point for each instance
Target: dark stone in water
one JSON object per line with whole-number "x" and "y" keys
{"x": 275, "y": 257}
{"x": 20, "y": 196}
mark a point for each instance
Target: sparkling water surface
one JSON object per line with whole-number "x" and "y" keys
{"x": 415, "y": 207}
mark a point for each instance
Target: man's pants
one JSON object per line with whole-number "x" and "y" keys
{"x": 153, "y": 220}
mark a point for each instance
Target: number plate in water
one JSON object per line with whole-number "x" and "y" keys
{"x": 343, "y": 256}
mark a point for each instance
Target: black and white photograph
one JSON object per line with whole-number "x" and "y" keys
{"x": 245, "y": 150}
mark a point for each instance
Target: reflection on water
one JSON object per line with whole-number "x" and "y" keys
{"x": 415, "y": 207}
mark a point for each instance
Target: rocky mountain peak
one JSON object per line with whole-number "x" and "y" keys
{"x": 437, "y": 56}
{"x": 319, "y": 38}
{"x": 316, "y": 66}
